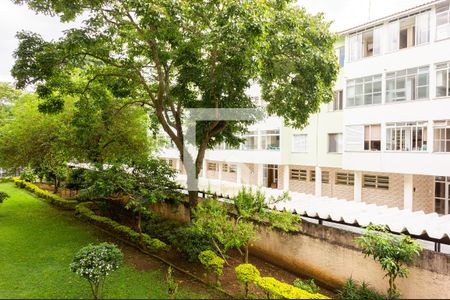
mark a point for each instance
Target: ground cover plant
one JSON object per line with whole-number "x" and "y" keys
{"x": 38, "y": 243}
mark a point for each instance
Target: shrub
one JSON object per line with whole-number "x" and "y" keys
{"x": 94, "y": 263}
{"x": 247, "y": 273}
{"x": 149, "y": 243}
{"x": 277, "y": 289}
{"x": 28, "y": 175}
{"x": 307, "y": 285}
{"x": 51, "y": 198}
{"x": 3, "y": 196}
{"x": 212, "y": 262}
{"x": 172, "y": 285}
{"x": 351, "y": 291}
{"x": 391, "y": 251}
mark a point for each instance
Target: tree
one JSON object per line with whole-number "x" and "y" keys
{"x": 143, "y": 182}
{"x": 391, "y": 251}
{"x": 170, "y": 55}
{"x": 94, "y": 263}
{"x": 78, "y": 132}
{"x": 7, "y": 97}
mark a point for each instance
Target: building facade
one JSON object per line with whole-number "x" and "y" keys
{"x": 385, "y": 139}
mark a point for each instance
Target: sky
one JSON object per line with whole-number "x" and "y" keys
{"x": 343, "y": 13}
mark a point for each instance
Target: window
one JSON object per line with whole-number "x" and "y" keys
{"x": 232, "y": 169}
{"x": 410, "y": 84}
{"x": 312, "y": 175}
{"x": 270, "y": 139}
{"x": 364, "y": 91}
{"x": 392, "y": 36}
{"x": 407, "y": 33}
{"x": 325, "y": 176}
{"x": 365, "y": 44}
{"x": 225, "y": 168}
{"x": 170, "y": 163}
{"x": 372, "y": 137}
{"x": 299, "y": 143}
{"x": 443, "y": 79}
{"x": 251, "y": 141}
{"x": 442, "y": 21}
{"x": 376, "y": 181}
{"x": 406, "y": 136}
{"x": 297, "y": 174}
{"x": 423, "y": 28}
{"x": 212, "y": 167}
{"x": 442, "y": 195}
{"x": 340, "y": 53}
{"x": 441, "y": 136}
{"x": 345, "y": 178}
{"x": 338, "y": 100}
{"x": 335, "y": 142}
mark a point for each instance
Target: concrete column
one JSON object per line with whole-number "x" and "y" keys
{"x": 260, "y": 174}
{"x": 318, "y": 183}
{"x": 408, "y": 191}
{"x": 357, "y": 188}
{"x": 220, "y": 171}
{"x": 286, "y": 178}
{"x": 239, "y": 173}
{"x": 178, "y": 165}
{"x": 204, "y": 166}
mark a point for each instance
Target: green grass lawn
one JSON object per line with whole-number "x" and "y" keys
{"x": 37, "y": 243}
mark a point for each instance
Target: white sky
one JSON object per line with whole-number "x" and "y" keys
{"x": 343, "y": 13}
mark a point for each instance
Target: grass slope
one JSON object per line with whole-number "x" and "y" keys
{"x": 37, "y": 243}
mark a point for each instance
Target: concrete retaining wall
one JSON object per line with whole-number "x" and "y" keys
{"x": 330, "y": 256}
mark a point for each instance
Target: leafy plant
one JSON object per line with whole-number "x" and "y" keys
{"x": 212, "y": 263}
{"x": 308, "y": 285}
{"x": 28, "y": 174}
{"x": 352, "y": 291}
{"x": 211, "y": 219}
{"x": 247, "y": 273}
{"x": 3, "y": 196}
{"x": 172, "y": 285}
{"x": 391, "y": 251}
{"x": 94, "y": 263}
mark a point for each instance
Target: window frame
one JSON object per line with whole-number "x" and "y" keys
{"x": 369, "y": 139}
{"x": 375, "y": 181}
{"x": 397, "y": 131}
{"x": 442, "y": 126}
{"x": 300, "y": 149}
{"x": 345, "y": 178}
{"x": 362, "y": 88}
{"x": 339, "y": 141}
{"x": 210, "y": 168}
{"x": 404, "y": 76}
{"x": 298, "y": 174}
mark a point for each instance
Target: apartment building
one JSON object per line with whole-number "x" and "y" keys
{"x": 385, "y": 139}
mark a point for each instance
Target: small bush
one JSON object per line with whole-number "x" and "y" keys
{"x": 351, "y": 290}
{"x": 212, "y": 263}
{"x": 149, "y": 243}
{"x": 307, "y": 285}
{"x": 247, "y": 273}
{"x": 28, "y": 175}
{"x": 51, "y": 198}
{"x": 94, "y": 263}
{"x": 184, "y": 238}
{"x": 3, "y": 196}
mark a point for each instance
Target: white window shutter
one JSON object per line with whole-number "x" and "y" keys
{"x": 354, "y": 138}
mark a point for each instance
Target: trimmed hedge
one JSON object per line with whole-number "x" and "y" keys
{"x": 6, "y": 179}
{"x": 247, "y": 273}
{"x": 148, "y": 243}
{"x": 49, "y": 197}
{"x": 211, "y": 262}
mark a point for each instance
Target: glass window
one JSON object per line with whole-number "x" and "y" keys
{"x": 251, "y": 141}
{"x": 393, "y": 33}
{"x": 442, "y": 21}
{"x": 409, "y": 84}
{"x": 340, "y": 53}
{"x": 364, "y": 91}
{"x": 443, "y": 79}
{"x": 338, "y": 100}
{"x": 423, "y": 28}
{"x": 325, "y": 176}
{"x": 270, "y": 139}
{"x": 372, "y": 137}
{"x": 442, "y": 195}
{"x": 355, "y": 47}
{"x": 335, "y": 142}
{"x": 299, "y": 143}
{"x": 406, "y": 136}
{"x": 441, "y": 136}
